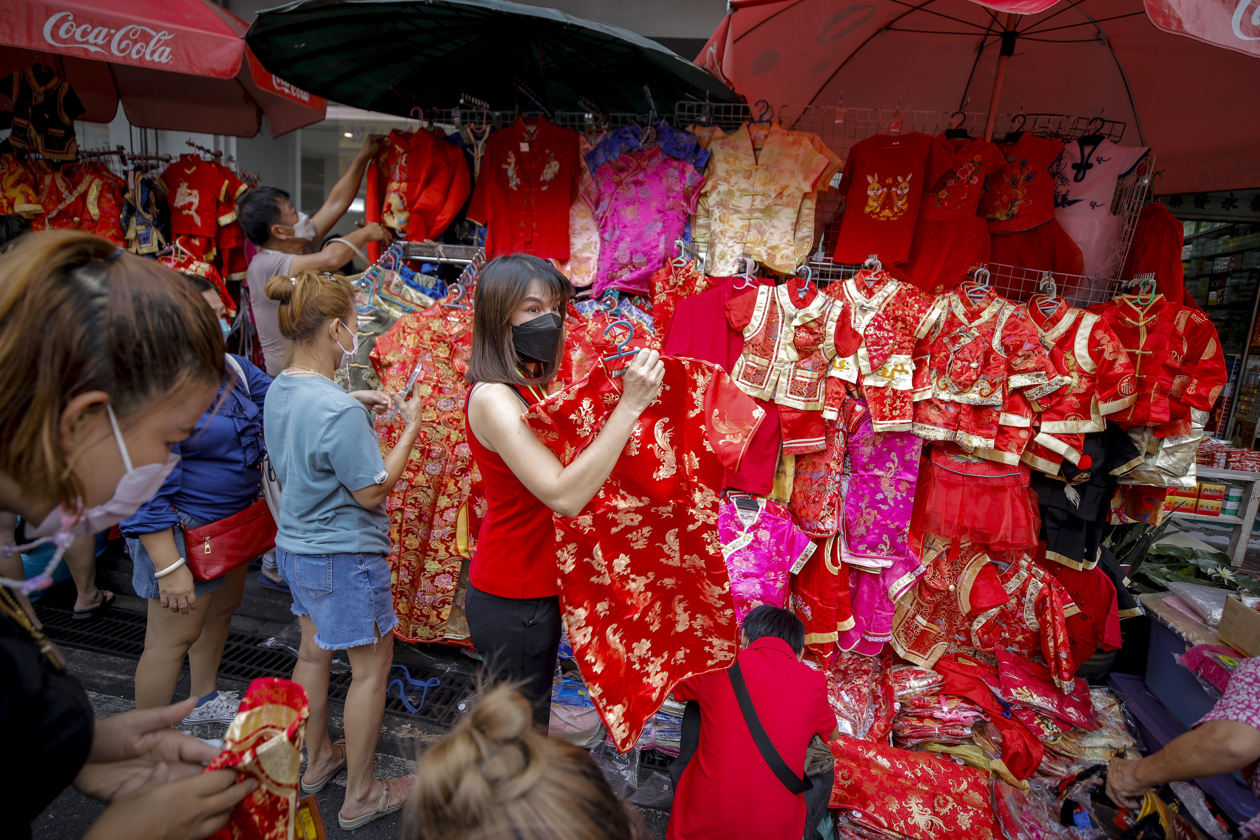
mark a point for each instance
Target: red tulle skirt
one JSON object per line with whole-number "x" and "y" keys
{"x": 990, "y": 504}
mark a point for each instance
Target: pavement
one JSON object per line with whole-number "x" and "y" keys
{"x": 109, "y": 681}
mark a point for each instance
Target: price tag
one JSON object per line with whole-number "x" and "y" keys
{"x": 803, "y": 559}
{"x": 524, "y": 147}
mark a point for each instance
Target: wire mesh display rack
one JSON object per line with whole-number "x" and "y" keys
{"x": 841, "y": 127}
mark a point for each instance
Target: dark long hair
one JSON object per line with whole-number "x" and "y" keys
{"x": 503, "y": 284}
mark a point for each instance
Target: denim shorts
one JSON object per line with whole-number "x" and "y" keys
{"x": 347, "y": 596}
{"x": 142, "y": 568}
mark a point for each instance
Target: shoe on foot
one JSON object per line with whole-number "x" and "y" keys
{"x": 220, "y": 707}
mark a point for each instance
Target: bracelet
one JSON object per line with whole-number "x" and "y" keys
{"x": 159, "y": 575}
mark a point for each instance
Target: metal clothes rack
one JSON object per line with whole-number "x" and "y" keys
{"x": 840, "y": 127}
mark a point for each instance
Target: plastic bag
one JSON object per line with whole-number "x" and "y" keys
{"x": 911, "y": 681}
{"x": 1212, "y": 665}
{"x": 1207, "y": 601}
{"x": 620, "y": 769}
{"x": 1031, "y": 815}
{"x": 656, "y": 791}
{"x": 1195, "y": 801}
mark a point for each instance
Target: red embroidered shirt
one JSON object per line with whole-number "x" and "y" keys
{"x": 1021, "y": 196}
{"x": 197, "y": 193}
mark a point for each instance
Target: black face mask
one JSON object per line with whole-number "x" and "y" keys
{"x": 539, "y": 339}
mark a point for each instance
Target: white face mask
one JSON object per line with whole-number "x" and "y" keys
{"x": 346, "y": 355}
{"x": 134, "y": 489}
{"x": 304, "y": 229}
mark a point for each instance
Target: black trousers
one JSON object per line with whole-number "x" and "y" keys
{"x": 518, "y": 638}
{"x": 817, "y": 798}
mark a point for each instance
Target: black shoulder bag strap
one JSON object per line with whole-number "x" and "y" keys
{"x": 793, "y": 782}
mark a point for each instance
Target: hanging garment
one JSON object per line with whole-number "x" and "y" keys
{"x": 378, "y": 184}
{"x": 873, "y": 595}
{"x": 753, "y": 196}
{"x": 1075, "y": 504}
{"x": 1176, "y": 357}
{"x": 1097, "y": 625}
{"x": 437, "y": 183}
{"x": 890, "y": 170}
{"x": 183, "y": 260}
{"x": 103, "y": 202}
{"x": 424, "y": 505}
{"x": 528, "y": 181}
{"x": 196, "y": 190}
{"x": 44, "y": 110}
{"x": 1085, "y": 176}
{"x": 790, "y": 337}
{"x": 583, "y": 261}
{"x": 642, "y": 201}
{"x": 1156, "y": 248}
{"x": 891, "y": 317}
{"x": 643, "y": 587}
{"x": 61, "y": 198}
{"x": 806, "y": 216}
{"x": 699, "y": 329}
{"x": 674, "y": 142}
{"x": 965, "y": 497}
{"x": 1046, "y": 247}
{"x": 891, "y": 792}
{"x": 881, "y": 475}
{"x": 669, "y": 285}
{"x": 949, "y": 236}
{"x": 761, "y": 547}
{"x": 979, "y": 351}
{"x": 817, "y": 497}
{"x": 1021, "y": 196}
{"x": 820, "y": 599}
{"x": 17, "y": 188}
{"x": 145, "y": 215}
{"x": 1100, "y": 381}
{"x": 230, "y": 240}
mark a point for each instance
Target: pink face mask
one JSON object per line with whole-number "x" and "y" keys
{"x": 134, "y": 489}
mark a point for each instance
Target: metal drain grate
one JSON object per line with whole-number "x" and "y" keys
{"x": 121, "y": 633}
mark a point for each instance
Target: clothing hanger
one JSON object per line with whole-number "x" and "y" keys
{"x": 528, "y": 94}
{"x": 978, "y": 288}
{"x": 622, "y": 352}
{"x": 1094, "y": 138}
{"x": 897, "y": 124}
{"x": 765, "y": 116}
{"x": 808, "y": 278}
{"x": 956, "y": 131}
{"x": 750, "y": 282}
{"x": 1147, "y": 290}
{"x": 456, "y": 302}
{"x": 1048, "y": 303}
{"x": 651, "y": 102}
{"x": 1017, "y": 130}
{"x": 875, "y": 267}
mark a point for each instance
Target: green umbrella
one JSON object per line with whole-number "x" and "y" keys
{"x": 393, "y": 55}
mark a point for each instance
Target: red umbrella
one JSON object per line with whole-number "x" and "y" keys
{"x": 1181, "y": 74}
{"x": 179, "y": 65}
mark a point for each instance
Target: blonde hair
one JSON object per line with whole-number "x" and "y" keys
{"x": 77, "y": 314}
{"x": 308, "y": 300}
{"x": 495, "y": 777}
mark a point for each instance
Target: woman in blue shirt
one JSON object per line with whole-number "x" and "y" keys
{"x": 217, "y": 476}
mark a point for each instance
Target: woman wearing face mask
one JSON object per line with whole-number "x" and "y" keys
{"x": 513, "y": 601}
{"x": 288, "y": 240}
{"x": 333, "y": 537}
{"x": 218, "y": 476}
{"x": 107, "y": 361}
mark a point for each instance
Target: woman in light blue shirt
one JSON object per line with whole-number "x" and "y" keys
{"x": 333, "y": 537}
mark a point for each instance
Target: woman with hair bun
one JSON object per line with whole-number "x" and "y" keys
{"x": 107, "y": 361}
{"x": 333, "y": 537}
{"x": 496, "y": 777}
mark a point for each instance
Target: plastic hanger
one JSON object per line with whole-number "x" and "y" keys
{"x": 978, "y": 288}
{"x": 1147, "y": 289}
{"x": 622, "y": 352}
{"x": 897, "y": 124}
{"x": 1092, "y": 138}
{"x": 809, "y": 280}
{"x": 766, "y": 115}
{"x": 456, "y": 302}
{"x": 1017, "y": 128}
{"x": 956, "y": 131}
{"x": 1048, "y": 302}
{"x": 750, "y": 282}
{"x": 875, "y": 267}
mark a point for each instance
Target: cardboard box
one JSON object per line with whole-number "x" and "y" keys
{"x": 1240, "y": 627}
{"x": 1181, "y": 498}
{"x": 1212, "y": 492}
{"x": 1208, "y": 507}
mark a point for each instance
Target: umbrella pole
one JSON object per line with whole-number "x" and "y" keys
{"x": 1008, "y": 49}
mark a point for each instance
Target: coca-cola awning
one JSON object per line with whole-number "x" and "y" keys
{"x": 179, "y": 65}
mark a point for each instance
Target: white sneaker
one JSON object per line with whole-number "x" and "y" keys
{"x": 221, "y": 709}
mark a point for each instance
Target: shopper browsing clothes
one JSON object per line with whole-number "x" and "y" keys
{"x": 333, "y": 535}
{"x": 513, "y": 597}
{"x": 728, "y": 787}
{"x": 107, "y": 361}
{"x": 288, "y": 238}
{"x": 217, "y": 477}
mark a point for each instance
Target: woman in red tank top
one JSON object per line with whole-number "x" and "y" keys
{"x": 513, "y": 602}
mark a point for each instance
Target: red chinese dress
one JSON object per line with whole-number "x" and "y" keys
{"x": 889, "y": 317}
{"x": 1156, "y": 249}
{"x": 424, "y": 505}
{"x": 528, "y": 180}
{"x": 883, "y": 185}
{"x": 672, "y": 282}
{"x": 1099, "y": 377}
{"x": 378, "y": 182}
{"x": 949, "y": 236}
{"x": 644, "y": 590}
{"x": 436, "y": 183}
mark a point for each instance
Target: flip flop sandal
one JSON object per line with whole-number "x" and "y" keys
{"x": 383, "y": 808}
{"x": 307, "y": 790}
{"x": 107, "y": 601}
